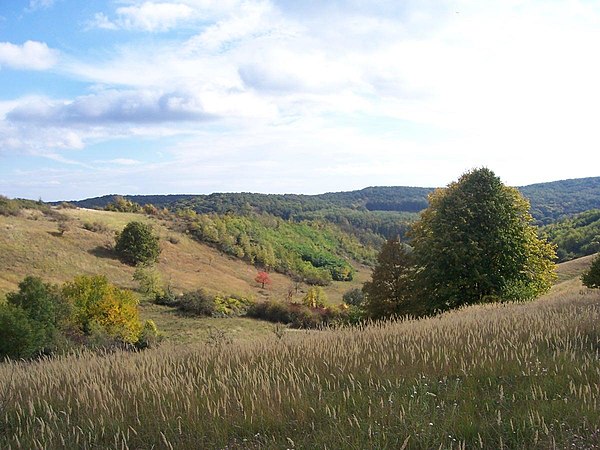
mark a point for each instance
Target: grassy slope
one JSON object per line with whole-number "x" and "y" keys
{"x": 491, "y": 376}
{"x": 30, "y": 245}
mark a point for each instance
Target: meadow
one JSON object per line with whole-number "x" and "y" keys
{"x": 487, "y": 376}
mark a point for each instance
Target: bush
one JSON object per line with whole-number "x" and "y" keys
{"x": 137, "y": 244}
{"x": 198, "y": 303}
{"x": 149, "y": 336}
{"x": 354, "y": 297}
{"x": 95, "y": 227}
{"x": 99, "y": 305}
{"x": 301, "y": 316}
{"x": 231, "y": 306}
{"x": 150, "y": 282}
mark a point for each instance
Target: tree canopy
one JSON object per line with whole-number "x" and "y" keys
{"x": 137, "y": 244}
{"x": 476, "y": 242}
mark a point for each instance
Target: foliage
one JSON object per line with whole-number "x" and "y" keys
{"x": 315, "y": 297}
{"x": 100, "y": 305}
{"x": 149, "y": 336}
{"x": 121, "y": 204}
{"x": 19, "y": 335}
{"x": 231, "y": 306}
{"x": 137, "y": 244}
{"x": 263, "y": 278}
{"x": 591, "y": 277}
{"x": 95, "y": 227}
{"x": 354, "y": 297}
{"x": 575, "y": 236}
{"x": 314, "y": 251}
{"x": 298, "y": 315}
{"x": 390, "y": 291}
{"x": 12, "y": 207}
{"x": 555, "y": 200}
{"x": 48, "y": 312}
{"x": 197, "y": 303}
{"x": 150, "y": 282}
{"x": 476, "y": 242}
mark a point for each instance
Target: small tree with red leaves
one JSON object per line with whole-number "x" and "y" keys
{"x": 263, "y": 278}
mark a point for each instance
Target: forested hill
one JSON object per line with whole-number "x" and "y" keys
{"x": 549, "y": 201}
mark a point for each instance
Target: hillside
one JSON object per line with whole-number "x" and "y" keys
{"x": 575, "y": 236}
{"x": 487, "y": 376}
{"x": 549, "y": 202}
{"x": 31, "y": 245}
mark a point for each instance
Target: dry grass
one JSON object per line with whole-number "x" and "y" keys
{"x": 494, "y": 376}
{"x": 31, "y": 246}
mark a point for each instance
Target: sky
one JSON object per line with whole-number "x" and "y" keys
{"x": 287, "y": 96}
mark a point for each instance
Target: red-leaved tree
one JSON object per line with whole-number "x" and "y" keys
{"x": 263, "y": 278}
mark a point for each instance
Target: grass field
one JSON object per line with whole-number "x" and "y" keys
{"x": 512, "y": 376}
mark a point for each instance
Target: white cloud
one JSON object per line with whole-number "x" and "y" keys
{"x": 32, "y": 55}
{"x": 147, "y": 16}
{"x": 34, "y": 5}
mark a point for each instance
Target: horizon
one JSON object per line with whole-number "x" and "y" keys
{"x": 269, "y": 193}
{"x": 274, "y": 96}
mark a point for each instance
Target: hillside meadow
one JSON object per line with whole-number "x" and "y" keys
{"x": 488, "y": 376}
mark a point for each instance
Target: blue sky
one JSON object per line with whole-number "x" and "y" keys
{"x": 200, "y": 96}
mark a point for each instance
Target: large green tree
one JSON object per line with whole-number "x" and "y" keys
{"x": 390, "y": 290}
{"x": 137, "y": 244}
{"x": 476, "y": 242}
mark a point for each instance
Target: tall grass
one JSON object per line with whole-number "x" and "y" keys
{"x": 496, "y": 376}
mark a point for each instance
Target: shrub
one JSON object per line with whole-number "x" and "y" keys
{"x": 100, "y": 305}
{"x": 137, "y": 244}
{"x": 231, "y": 306}
{"x": 354, "y": 297}
{"x": 198, "y": 303}
{"x": 150, "y": 282}
{"x": 298, "y": 315}
{"x": 149, "y": 336}
{"x": 95, "y": 227}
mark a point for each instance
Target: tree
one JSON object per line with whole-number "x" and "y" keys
{"x": 315, "y": 297}
{"x": 46, "y": 309}
{"x": 390, "y": 290}
{"x": 263, "y": 278}
{"x": 137, "y": 244}
{"x": 150, "y": 282}
{"x": 591, "y": 277}
{"x": 19, "y": 337}
{"x": 476, "y": 242}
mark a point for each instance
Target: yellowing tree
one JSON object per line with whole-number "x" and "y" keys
{"x": 97, "y": 303}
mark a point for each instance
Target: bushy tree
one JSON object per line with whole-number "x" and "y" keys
{"x": 354, "y": 297}
{"x": 391, "y": 287}
{"x": 263, "y": 278}
{"x": 315, "y": 297}
{"x": 137, "y": 244}
{"x": 19, "y": 336}
{"x": 591, "y": 277}
{"x": 99, "y": 305}
{"x": 45, "y": 308}
{"x": 476, "y": 242}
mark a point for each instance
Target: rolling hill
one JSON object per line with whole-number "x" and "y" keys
{"x": 549, "y": 201}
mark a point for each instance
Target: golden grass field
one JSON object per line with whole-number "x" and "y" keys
{"x": 508, "y": 376}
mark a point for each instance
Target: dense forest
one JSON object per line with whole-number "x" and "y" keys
{"x": 549, "y": 202}
{"x": 576, "y": 236}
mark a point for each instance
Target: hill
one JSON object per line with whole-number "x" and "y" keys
{"x": 486, "y": 376}
{"x": 575, "y": 236}
{"x": 30, "y": 244}
{"x": 549, "y": 202}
